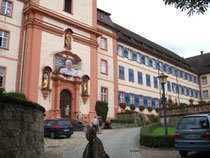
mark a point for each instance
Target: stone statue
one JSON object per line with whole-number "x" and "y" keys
{"x": 67, "y": 110}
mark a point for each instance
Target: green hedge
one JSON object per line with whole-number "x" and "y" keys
{"x": 122, "y": 121}
{"x": 155, "y": 141}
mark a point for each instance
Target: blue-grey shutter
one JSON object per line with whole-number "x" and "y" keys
{"x": 177, "y": 88}
{"x": 131, "y": 75}
{"x": 170, "y": 69}
{"x": 195, "y": 80}
{"x": 188, "y": 92}
{"x": 140, "y": 78}
{"x": 127, "y": 99}
{"x": 123, "y": 73}
{"x": 176, "y": 71}
{"x": 118, "y": 97}
{"x": 150, "y": 62}
{"x": 134, "y": 56}
{"x": 186, "y": 75}
{"x": 155, "y": 82}
{"x": 196, "y": 94}
{"x": 145, "y": 102}
{"x": 192, "y": 92}
{"x": 181, "y": 73}
{"x": 117, "y": 49}
{"x": 143, "y": 59}
{"x": 168, "y": 85}
{"x": 182, "y": 89}
{"x": 153, "y": 103}
{"x": 137, "y": 100}
{"x": 125, "y": 52}
{"x": 160, "y": 105}
{"x": 164, "y": 67}
{"x": 158, "y": 65}
{"x": 172, "y": 87}
{"x": 200, "y": 94}
{"x": 190, "y": 77}
{"x": 120, "y": 72}
{"x": 148, "y": 80}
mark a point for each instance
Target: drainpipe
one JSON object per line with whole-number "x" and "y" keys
{"x": 178, "y": 86}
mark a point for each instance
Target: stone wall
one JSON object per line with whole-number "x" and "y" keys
{"x": 122, "y": 125}
{"x": 21, "y": 129}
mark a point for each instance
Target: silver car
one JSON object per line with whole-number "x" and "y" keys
{"x": 193, "y": 134}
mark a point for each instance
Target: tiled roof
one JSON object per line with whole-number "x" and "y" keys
{"x": 201, "y": 63}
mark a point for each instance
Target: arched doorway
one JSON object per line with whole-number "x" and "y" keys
{"x": 65, "y": 99}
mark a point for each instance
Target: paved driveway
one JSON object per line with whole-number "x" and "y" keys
{"x": 119, "y": 143}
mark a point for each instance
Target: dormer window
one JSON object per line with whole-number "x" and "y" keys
{"x": 68, "y": 6}
{"x": 102, "y": 17}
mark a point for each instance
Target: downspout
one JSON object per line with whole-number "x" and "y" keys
{"x": 178, "y": 87}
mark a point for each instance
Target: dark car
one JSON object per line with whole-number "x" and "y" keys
{"x": 57, "y": 127}
{"x": 193, "y": 134}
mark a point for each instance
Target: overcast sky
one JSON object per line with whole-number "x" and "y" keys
{"x": 163, "y": 25}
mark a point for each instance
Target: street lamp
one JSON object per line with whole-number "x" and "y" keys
{"x": 163, "y": 79}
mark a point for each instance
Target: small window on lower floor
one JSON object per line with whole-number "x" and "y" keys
{"x": 122, "y": 97}
{"x": 131, "y": 98}
{"x": 140, "y": 100}
{"x": 205, "y": 94}
{"x": 2, "y": 76}
{"x": 104, "y": 94}
{"x": 4, "y": 39}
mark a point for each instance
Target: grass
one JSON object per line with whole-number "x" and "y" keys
{"x": 160, "y": 131}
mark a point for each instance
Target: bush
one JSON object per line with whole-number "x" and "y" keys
{"x": 150, "y": 108}
{"x": 153, "y": 118}
{"x": 2, "y": 91}
{"x": 133, "y": 107}
{"x": 123, "y": 105}
{"x": 16, "y": 95}
{"x": 155, "y": 141}
{"x": 141, "y": 108}
{"x": 128, "y": 111}
{"x": 202, "y": 103}
{"x": 122, "y": 121}
{"x": 101, "y": 109}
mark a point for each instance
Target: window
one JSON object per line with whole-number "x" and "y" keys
{"x": 68, "y": 6}
{"x": 122, "y": 97}
{"x": 138, "y": 58}
{"x": 4, "y": 39}
{"x": 148, "y": 80}
{"x": 204, "y": 80}
{"x": 161, "y": 66}
{"x": 169, "y": 85}
{"x": 121, "y": 72}
{"x": 103, "y": 66}
{"x": 104, "y": 94}
{"x": 2, "y": 74}
{"x": 205, "y": 94}
{"x": 129, "y": 54}
{"x": 131, "y": 78}
{"x": 173, "y": 71}
{"x": 167, "y": 68}
{"x": 6, "y": 8}
{"x": 119, "y": 50}
{"x": 131, "y": 98}
{"x": 149, "y": 101}
{"x": 156, "y": 103}
{"x": 155, "y": 82}
{"x": 146, "y": 61}
{"x": 154, "y": 63}
{"x": 140, "y": 81}
{"x": 103, "y": 43}
{"x": 140, "y": 100}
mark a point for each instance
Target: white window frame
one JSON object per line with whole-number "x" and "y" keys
{"x": 4, "y": 35}
{"x": 122, "y": 97}
{"x": 104, "y": 94}
{"x": 161, "y": 66}
{"x": 141, "y": 100}
{"x": 153, "y": 63}
{"x": 119, "y": 51}
{"x": 103, "y": 66}
{"x": 138, "y": 58}
{"x": 132, "y": 99}
{"x": 103, "y": 43}
{"x": 146, "y": 60}
{"x": 149, "y": 101}
{"x": 129, "y": 54}
{"x": 2, "y": 76}
{"x": 8, "y": 8}
{"x": 204, "y": 80}
{"x": 205, "y": 94}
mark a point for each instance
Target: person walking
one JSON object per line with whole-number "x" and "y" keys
{"x": 94, "y": 148}
{"x": 95, "y": 123}
{"x": 100, "y": 125}
{"x": 85, "y": 122}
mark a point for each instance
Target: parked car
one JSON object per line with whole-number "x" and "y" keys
{"x": 193, "y": 134}
{"x": 57, "y": 127}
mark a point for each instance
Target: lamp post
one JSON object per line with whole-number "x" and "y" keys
{"x": 163, "y": 79}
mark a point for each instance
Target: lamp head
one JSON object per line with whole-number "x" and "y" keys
{"x": 162, "y": 78}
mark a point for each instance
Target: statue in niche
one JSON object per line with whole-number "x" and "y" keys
{"x": 68, "y": 39}
{"x": 84, "y": 86}
{"x": 45, "y": 80}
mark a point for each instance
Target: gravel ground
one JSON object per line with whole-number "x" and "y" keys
{"x": 59, "y": 147}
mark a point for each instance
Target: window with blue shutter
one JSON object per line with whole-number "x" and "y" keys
{"x": 125, "y": 52}
{"x": 176, "y": 72}
{"x": 134, "y": 56}
{"x": 155, "y": 82}
{"x": 117, "y": 49}
{"x": 186, "y": 75}
{"x": 190, "y": 77}
{"x": 181, "y": 73}
{"x": 160, "y": 105}
{"x": 170, "y": 69}
{"x": 195, "y": 79}
{"x": 145, "y": 102}
{"x": 140, "y": 81}
{"x": 131, "y": 78}
{"x": 182, "y": 89}
{"x": 150, "y": 62}
{"x": 137, "y": 100}
{"x": 196, "y": 94}
{"x": 192, "y": 92}
{"x": 164, "y": 67}
{"x": 153, "y": 103}
{"x": 118, "y": 97}
{"x": 172, "y": 87}
{"x": 158, "y": 65}
{"x": 177, "y": 88}
{"x": 127, "y": 99}
{"x": 121, "y": 72}
{"x": 143, "y": 59}
{"x": 148, "y": 80}
{"x": 188, "y": 91}
{"x": 169, "y": 85}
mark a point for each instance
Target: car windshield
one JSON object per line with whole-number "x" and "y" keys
{"x": 198, "y": 122}
{"x": 63, "y": 123}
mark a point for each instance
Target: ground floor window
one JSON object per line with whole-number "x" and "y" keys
{"x": 156, "y": 103}
{"x": 122, "y": 97}
{"x": 149, "y": 101}
{"x": 131, "y": 99}
{"x": 2, "y": 71}
{"x": 140, "y": 100}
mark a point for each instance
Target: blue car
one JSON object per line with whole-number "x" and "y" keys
{"x": 193, "y": 134}
{"x": 57, "y": 127}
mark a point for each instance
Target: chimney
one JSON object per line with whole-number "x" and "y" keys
{"x": 201, "y": 52}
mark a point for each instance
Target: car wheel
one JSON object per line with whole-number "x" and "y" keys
{"x": 68, "y": 136}
{"x": 183, "y": 153}
{"x": 52, "y": 135}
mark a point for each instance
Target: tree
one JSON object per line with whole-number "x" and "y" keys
{"x": 102, "y": 109}
{"x": 194, "y": 6}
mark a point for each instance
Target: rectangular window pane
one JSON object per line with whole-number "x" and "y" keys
{"x": 1, "y": 77}
{"x": 140, "y": 100}
{"x": 103, "y": 43}
{"x": 122, "y": 97}
{"x": 103, "y": 66}
{"x": 104, "y": 94}
{"x": 67, "y": 6}
{"x": 129, "y": 54}
{"x": 119, "y": 50}
{"x": 131, "y": 99}
{"x": 138, "y": 58}
{"x": 3, "y": 39}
